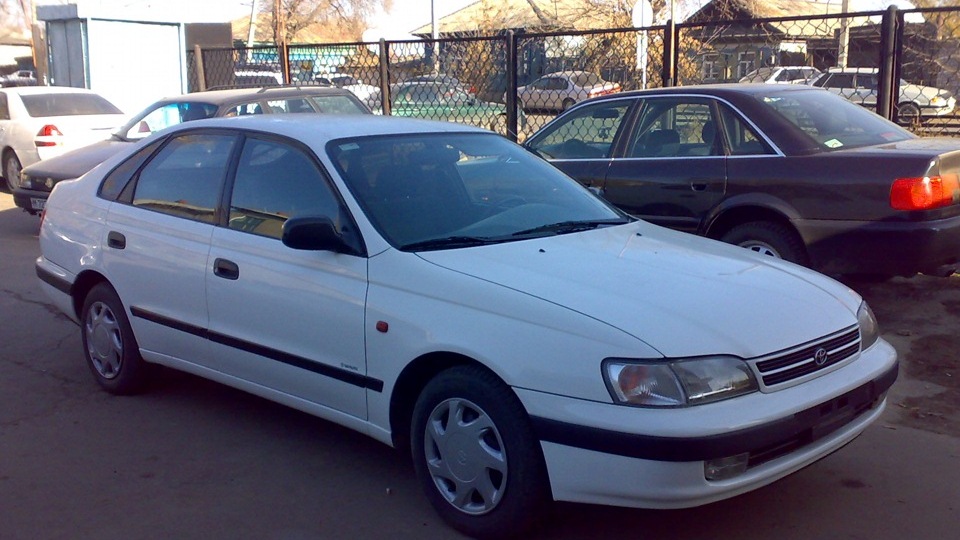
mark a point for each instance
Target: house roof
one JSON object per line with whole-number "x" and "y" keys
{"x": 538, "y": 15}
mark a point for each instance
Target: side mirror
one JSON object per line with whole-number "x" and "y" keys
{"x": 315, "y": 233}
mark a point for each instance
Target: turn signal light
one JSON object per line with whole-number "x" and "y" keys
{"x": 924, "y": 193}
{"x": 49, "y": 130}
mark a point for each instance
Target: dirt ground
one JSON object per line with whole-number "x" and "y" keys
{"x": 920, "y": 316}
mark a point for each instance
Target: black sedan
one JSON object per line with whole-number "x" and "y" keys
{"x": 786, "y": 170}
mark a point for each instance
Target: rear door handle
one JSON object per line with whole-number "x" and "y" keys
{"x": 226, "y": 269}
{"x": 698, "y": 186}
{"x": 116, "y": 240}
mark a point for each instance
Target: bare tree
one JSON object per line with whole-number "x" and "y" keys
{"x": 290, "y": 17}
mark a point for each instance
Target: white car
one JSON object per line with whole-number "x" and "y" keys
{"x": 861, "y": 86}
{"x": 442, "y": 290}
{"x": 782, "y": 75}
{"x": 38, "y": 122}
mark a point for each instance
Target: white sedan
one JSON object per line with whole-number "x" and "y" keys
{"x": 39, "y": 122}
{"x": 444, "y": 291}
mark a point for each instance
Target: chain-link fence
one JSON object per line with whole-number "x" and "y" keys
{"x": 905, "y": 64}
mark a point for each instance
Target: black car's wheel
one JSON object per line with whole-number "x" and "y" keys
{"x": 476, "y": 456}
{"x": 567, "y": 103}
{"x": 768, "y": 238}
{"x": 11, "y": 169}
{"x": 109, "y": 346}
{"x": 908, "y": 113}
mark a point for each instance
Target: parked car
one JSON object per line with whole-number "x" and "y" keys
{"x": 560, "y": 91}
{"x": 860, "y": 85}
{"x": 23, "y": 77}
{"x": 37, "y": 180}
{"x": 444, "y": 291}
{"x": 782, "y": 75}
{"x": 40, "y": 122}
{"x": 788, "y": 170}
{"x": 438, "y": 101}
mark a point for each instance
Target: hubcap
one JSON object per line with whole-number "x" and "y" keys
{"x": 465, "y": 456}
{"x": 104, "y": 343}
{"x": 11, "y": 172}
{"x": 762, "y": 248}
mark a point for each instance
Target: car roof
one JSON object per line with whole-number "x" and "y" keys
{"x": 28, "y": 90}
{"x": 315, "y": 129}
{"x": 238, "y": 95}
{"x": 719, "y": 90}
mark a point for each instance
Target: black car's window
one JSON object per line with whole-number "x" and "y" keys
{"x": 275, "y": 182}
{"x": 290, "y": 105}
{"x": 741, "y": 138}
{"x": 676, "y": 127}
{"x": 833, "y": 122}
{"x": 184, "y": 178}
{"x": 4, "y": 108}
{"x": 585, "y": 133}
{"x": 117, "y": 180}
{"x": 836, "y": 80}
{"x": 168, "y": 115}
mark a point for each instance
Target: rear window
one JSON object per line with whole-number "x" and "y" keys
{"x": 67, "y": 104}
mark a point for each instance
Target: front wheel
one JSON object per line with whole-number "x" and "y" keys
{"x": 908, "y": 114}
{"x": 475, "y": 454}
{"x": 768, "y": 238}
{"x": 109, "y": 346}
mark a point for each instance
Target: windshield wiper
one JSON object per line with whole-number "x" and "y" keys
{"x": 565, "y": 227}
{"x": 449, "y": 242}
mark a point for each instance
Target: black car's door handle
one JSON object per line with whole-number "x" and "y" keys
{"x": 697, "y": 186}
{"x": 226, "y": 269}
{"x": 116, "y": 240}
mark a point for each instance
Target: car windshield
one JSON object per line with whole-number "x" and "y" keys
{"x": 443, "y": 191}
{"x": 833, "y": 122}
{"x": 67, "y": 104}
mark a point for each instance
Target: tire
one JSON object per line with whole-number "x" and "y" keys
{"x": 110, "y": 349}
{"x": 11, "y": 169}
{"x": 768, "y": 238}
{"x": 908, "y": 114}
{"x": 567, "y": 103}
{"x": 485, "y": 474}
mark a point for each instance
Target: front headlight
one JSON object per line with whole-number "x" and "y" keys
{"x": 25, "y": 181}
{"x": 869, "y": 329}
{"x": 677, "y": 383}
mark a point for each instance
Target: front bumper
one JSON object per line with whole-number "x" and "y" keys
{"x": 654, "y": 458}
{"x": 882, "y": 247}
{"x": 30, "y": 200}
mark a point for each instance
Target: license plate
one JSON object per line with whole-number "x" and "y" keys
{"x": 37, "y": 204}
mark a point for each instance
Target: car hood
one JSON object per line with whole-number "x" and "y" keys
{"x": 77, "y": 162}
{"x": 680, "y": 294}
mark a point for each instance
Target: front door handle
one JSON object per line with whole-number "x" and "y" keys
{"x": 116, "y": 240}
{"x": 698, "y": 186}
{"x": 226, "y": 269}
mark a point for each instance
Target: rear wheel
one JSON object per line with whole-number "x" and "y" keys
{"x": 11, "y": 169}
{"x": 109, "y": 346}
{"x": 768, "y": 238}
{"x": 475, "y": 454}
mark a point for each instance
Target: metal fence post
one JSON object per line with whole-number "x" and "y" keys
{"x": 284, "y": 52}
{"x": 669, "y": 74}
{"x": 511, "y": 90}
{"x": 888, "y": 77}
{"x": 198, "y": 65}
{"x": 384, "y": 77}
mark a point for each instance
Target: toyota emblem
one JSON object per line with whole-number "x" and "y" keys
{"x": 820, "y": 357}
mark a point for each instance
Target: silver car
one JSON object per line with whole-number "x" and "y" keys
{"x": 915, "y": 101}
{"x": 561, "y": 90}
